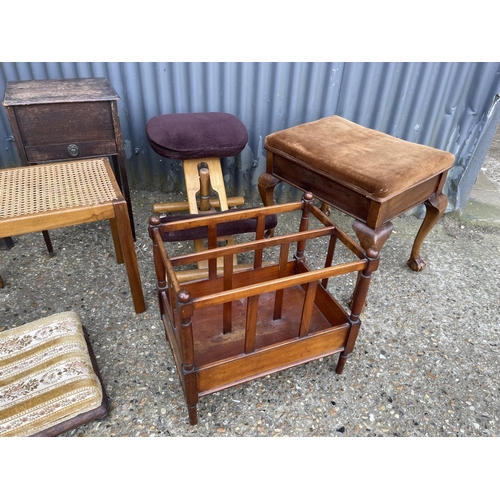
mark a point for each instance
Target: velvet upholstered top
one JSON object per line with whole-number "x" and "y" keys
{"x": 183, "y": 136}
{"x": 370, "y": 162}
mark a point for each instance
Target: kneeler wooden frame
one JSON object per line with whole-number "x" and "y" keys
{"x": 202, "y": 175}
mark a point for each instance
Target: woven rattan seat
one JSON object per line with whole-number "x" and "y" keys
{"x": 41, "y": 188}
{"x": 54, "y": 195}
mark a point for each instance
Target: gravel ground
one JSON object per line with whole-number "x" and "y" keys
{"x": 425, "y": 364}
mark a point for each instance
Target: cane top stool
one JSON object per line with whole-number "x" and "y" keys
{"x": 199, "y": 140}
{"x": 49, "y": 378}
{"x": 54, "y": 195}
{"x": 364, "y": 173}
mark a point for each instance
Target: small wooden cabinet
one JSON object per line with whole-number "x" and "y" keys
{"x": 65, "y": 119}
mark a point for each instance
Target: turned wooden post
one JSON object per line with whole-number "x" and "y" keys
{"x": 278, "y": 300}
{"x": 187, "y": 345}
{"x": 357, "y": 306}
{"x": 161, "y": 284}
{"x": 205, "y": 205}
{"x": 304, "y": 225}
{"x": 371, "y": 241}
{"x": 329, "y": 256}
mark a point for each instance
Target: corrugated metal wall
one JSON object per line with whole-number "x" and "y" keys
{"x": 445, "y": 105}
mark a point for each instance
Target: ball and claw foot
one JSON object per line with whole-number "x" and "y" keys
{"x": 416, "y": 265}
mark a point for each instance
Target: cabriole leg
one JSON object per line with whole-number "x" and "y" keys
{"x": 435, "y": 207}
{"x": 266, "y": 185}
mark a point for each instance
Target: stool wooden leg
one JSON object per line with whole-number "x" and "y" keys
{"x": 120, "y": 172}
{"x": 48, "y": 243}
{"x": 435, "y": 207}
{"x": 266, "y": 184}
{"x": 116, "y": 241}
{"x": 6, "y": 243}
{"x": 193, "y": 415}
{"x": 372, "y": 240}
{"x": 129, "y": 256}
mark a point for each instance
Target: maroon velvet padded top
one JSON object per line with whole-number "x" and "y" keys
{"x": 196, "y": 135}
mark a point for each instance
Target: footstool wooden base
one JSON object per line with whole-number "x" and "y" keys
{"x": 366, "y": 174}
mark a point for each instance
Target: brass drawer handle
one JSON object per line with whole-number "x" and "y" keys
{"x": 73, "y": 150}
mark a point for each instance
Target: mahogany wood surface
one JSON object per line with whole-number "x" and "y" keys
{"x": 371, "y": 214}
{"x": 227, "y": 329}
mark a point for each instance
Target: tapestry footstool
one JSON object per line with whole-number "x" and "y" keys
{"x": 49, "y": 379}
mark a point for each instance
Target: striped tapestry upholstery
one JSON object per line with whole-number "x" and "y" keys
{"x": 46, "y": 375}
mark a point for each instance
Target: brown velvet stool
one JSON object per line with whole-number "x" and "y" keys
{"x": 366, "y": 174}
{"x": 199, "y": 140}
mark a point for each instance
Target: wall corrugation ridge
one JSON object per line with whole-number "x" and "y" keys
{"x": 440, "y": 104}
